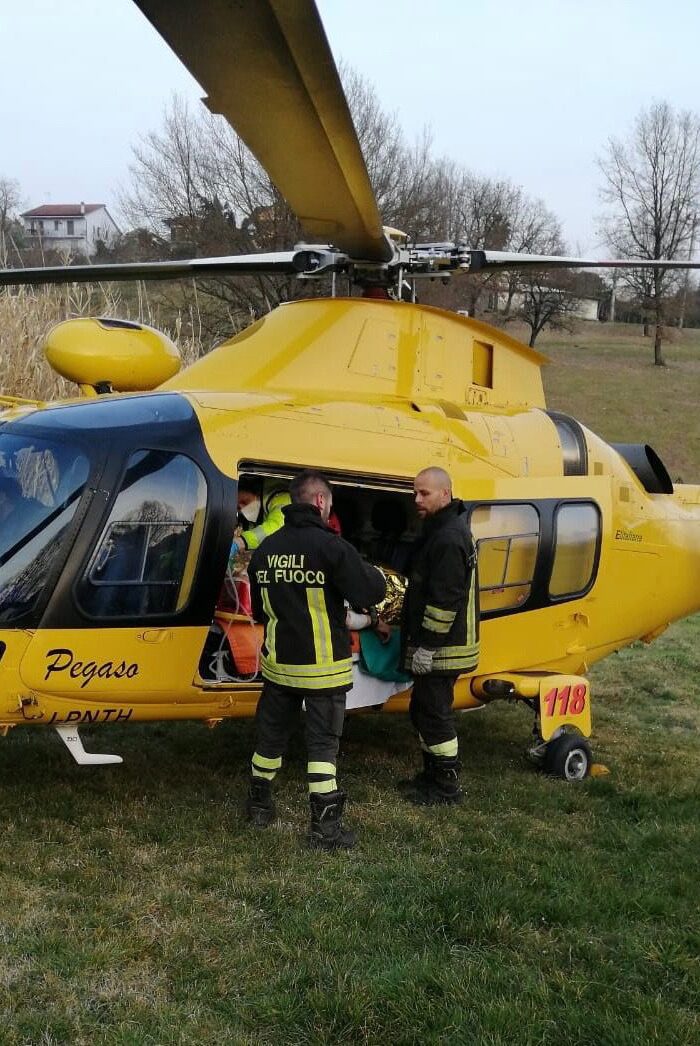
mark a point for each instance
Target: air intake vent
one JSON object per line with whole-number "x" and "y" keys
{"x": 123, "y": 325}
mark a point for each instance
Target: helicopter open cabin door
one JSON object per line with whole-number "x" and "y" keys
{"x": 127, "y": 618}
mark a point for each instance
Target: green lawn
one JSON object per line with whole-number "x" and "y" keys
{"x": 605, "y": 377}
{"x": 140, "y": 909}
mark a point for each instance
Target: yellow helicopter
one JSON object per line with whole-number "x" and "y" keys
{"x": 117, "y": 509}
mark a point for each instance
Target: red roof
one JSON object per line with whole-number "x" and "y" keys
{"x": 62, "y": 210}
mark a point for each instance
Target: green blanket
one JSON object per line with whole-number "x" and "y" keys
{"x": 382, "y": 659}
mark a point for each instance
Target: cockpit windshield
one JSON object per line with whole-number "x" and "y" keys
{"x": 41, "y": 482}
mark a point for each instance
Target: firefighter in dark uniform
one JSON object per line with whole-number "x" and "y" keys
{"x": 440, "y": 632}
{"x": 300, "y": 579}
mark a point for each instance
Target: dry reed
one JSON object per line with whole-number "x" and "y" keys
{"x": 27, "y": 315}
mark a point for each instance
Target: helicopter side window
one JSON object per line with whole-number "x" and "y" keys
{"x": 577, "y": 536}
{"x": 145, "y": 560}
{"x": 507, "y": 538}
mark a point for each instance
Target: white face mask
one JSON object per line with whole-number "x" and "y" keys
{"x": 251, "y": 510}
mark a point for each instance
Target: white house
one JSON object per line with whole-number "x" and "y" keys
{"x": 73, "y": 227}
{"x": 585, "y": 308}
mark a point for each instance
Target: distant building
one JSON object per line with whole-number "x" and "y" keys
{"x": 73, "y": 227}
{"x": 585, "y": 308}
{"x": 183, "y": 229}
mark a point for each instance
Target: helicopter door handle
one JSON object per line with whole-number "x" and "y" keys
{"x": 155, "y": 635}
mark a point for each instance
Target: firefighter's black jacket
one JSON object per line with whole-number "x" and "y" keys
{"x": 440, "y": 608}
{"x": 300, "y": 577}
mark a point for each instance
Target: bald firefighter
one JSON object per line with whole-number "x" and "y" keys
{"x": 440, "y": 632}
{"x": 300, "y": 579}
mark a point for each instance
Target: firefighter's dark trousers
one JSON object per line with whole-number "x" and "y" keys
{"x": 432, "y": 714}
{"x": 276, "y": 717}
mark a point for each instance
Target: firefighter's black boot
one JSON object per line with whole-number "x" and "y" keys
{"x": 420, "y": 779}
{"x": 327, "y": 831}
{"x": 259, "y": 807}
{"x": 440, "y": 787}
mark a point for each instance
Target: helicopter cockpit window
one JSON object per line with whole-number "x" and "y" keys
{"x": 41, "y": 482}
{"x": 507, "y": 538}
{"x": 577, "y": 533}
{"x": 145, "y": 560}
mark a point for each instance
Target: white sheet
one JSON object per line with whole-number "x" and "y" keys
{"x": 367, "y": 690}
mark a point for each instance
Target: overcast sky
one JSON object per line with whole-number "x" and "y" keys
{"x": 524, "y": 89}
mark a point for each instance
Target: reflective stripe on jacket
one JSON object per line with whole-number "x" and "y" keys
{"x": 300, "y": 579}
{"x": 441, "y": 610}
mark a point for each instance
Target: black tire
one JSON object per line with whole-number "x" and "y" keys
{"x": 569, "y": 757}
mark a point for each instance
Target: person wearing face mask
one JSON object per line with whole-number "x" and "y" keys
{"x": 300, "y": 579}
{"x": 261, "y": 513}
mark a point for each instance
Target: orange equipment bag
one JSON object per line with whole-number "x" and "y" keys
{"x": 245, "y": 641}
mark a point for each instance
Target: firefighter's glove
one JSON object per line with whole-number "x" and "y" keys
{"x": 422, "y": 661}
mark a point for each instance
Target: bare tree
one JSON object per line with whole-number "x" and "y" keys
{"x": 547, "y": 302}
{"x": 476, "y": 210}
{"x": 486, "y": 209}
{"x": 492, "y": 214}
{"x": 10, "y": 200}
{"x": 197, "y": 189}
{"x": 686, "y": 279}
{"x": 534, "y": 230}
{"x": 416, "y": 191}
{"x": 544, "y": 298}
{"x": 652, "y": 189}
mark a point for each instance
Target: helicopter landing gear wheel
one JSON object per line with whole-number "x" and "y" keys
{"x": 568, "y": 756}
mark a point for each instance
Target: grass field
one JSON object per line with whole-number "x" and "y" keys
{"x": 139, "y": 909}
{"x": 604, "y": 375}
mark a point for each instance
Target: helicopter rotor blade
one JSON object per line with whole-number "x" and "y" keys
{"x": 277, "y": 263}
{"x": 480, "y": 260}
{"x": 267, "y": 67}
